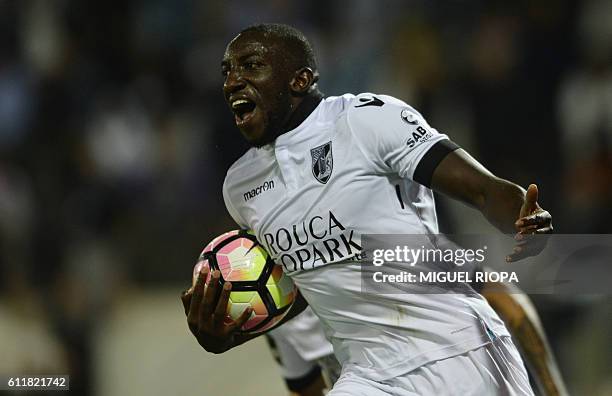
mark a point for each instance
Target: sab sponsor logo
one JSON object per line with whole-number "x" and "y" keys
{"x": 419, "y": 135}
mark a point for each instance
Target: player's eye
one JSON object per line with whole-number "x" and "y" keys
{"x": 251, "y": 65}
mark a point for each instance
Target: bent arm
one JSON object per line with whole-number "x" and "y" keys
{"x": 461, "y": 177}
{"x": 504, "y": 204}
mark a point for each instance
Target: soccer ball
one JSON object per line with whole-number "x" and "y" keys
{"x": 256, "y": 280}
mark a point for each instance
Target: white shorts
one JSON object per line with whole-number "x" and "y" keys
{"x": 303, "y": 352}
{"x": 292, "y": 364}
{"x": 493, "y": 369}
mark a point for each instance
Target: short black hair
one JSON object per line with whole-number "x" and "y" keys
{"x": 298, "y": 47}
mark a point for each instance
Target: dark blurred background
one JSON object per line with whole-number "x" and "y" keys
{"x": 115, "y": 139}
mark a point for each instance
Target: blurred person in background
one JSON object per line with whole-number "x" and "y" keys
{"x": 585, "y": 114}
{"x": 584, "y": 111}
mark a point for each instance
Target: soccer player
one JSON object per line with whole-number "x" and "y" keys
{"x": 324, "y": 171}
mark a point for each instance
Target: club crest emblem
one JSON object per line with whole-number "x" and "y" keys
{"x": 322, "y": 162}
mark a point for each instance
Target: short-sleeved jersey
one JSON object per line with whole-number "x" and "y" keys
{"x": 348, "y": 170}
{"x": 345, "y": 171}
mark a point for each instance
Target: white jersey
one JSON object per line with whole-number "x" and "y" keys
{"x": 345, "y": 171}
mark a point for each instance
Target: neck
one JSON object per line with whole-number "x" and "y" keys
{"x": 303, "y": 110}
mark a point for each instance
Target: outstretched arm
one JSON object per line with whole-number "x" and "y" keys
{"x": 504, "y": 204}
{"x": 521, "y": 318}
{"x": 510, "y": 209}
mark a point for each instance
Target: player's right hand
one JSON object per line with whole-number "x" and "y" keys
{"x": 206, "y": 309}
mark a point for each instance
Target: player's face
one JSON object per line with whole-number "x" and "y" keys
{"x": 256, "y": 86}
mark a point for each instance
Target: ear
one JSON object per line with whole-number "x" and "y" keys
{"x": 303, "y": 80}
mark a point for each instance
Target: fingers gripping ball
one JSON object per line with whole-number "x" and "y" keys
{"x": 256, "y": 280}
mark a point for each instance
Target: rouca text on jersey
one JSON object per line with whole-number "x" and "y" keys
{"x": 315, "y": 241}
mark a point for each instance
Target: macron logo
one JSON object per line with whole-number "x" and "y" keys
{"x": 267, "y": 185}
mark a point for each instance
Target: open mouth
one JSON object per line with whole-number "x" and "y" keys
{"x": 243, "y": 110}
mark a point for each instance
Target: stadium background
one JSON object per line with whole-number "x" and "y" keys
{"x": 114, "y": 141}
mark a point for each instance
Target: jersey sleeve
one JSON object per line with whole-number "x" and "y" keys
{"x": 231, "y": 209}
{"x": 395, "y": 137}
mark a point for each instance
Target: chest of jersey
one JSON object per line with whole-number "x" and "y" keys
{"x": 311, "y": 196}
{"x": 298, "y": 204}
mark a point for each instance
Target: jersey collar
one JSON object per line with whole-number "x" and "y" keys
{"x": 302, "y": 116}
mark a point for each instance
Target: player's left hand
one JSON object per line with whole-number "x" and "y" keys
{"x": 533, "y": 224}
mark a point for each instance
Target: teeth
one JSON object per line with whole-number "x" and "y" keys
{"x": 239, "y": 102}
